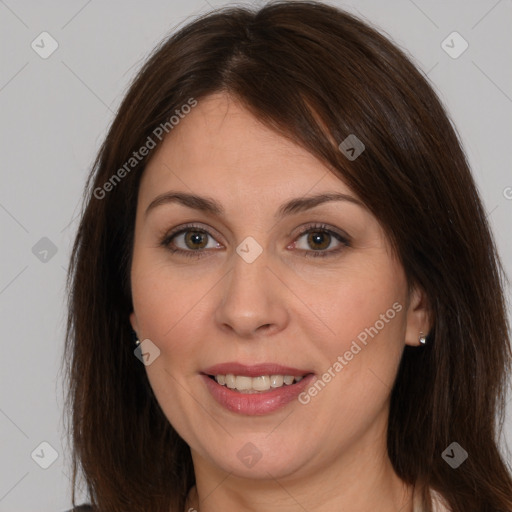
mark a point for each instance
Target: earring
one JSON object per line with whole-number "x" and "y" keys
{"x": 422, "y": 338}
{"x": 135, "y": 338}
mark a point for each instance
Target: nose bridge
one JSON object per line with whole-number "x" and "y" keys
{"x": 250, "y": 272}
{"x": 250, "y": 297}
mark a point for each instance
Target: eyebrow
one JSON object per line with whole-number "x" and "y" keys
{"x": 213, "y": 207}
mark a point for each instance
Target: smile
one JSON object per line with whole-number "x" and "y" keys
{"x": 255, "y": 390}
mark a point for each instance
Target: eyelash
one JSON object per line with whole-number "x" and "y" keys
{"x": 311, "y": 228}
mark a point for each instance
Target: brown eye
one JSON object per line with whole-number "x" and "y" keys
{"x": 196, "y": 239}
{"x": 189, "y": 241}
{"x": 319, "y": 240}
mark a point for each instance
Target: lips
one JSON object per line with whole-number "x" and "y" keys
{"x": 251, "y": 402}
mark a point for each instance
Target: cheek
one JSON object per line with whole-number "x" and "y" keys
{"x": 360, "y": 361}
{"x": 363, "y": 336}
{"x": 170, "y": 313}
{"x": 166, "y": 298}
{"x": 366, "y": 303}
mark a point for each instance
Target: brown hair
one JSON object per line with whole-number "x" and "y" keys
{"x": 314, "y": 74}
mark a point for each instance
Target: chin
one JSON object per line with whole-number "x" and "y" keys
{"x": 259, "y": 457}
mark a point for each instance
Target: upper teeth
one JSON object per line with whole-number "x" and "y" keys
{"x": 261, "y": 383}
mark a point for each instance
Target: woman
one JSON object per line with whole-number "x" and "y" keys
{"x": 284, "y": 293}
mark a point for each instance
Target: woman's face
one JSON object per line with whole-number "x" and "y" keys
{"x": 267, "y": 292}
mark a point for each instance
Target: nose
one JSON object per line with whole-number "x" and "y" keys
{"x": 253, "y": 300}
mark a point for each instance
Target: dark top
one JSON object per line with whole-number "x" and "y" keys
{"x": 81, "y": 508}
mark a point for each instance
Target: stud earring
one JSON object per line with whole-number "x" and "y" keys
{"x": 422, "y": 338}
{"x": 135, "y": 338}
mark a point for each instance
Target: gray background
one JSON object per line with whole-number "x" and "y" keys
{"x": 55, "y": 113}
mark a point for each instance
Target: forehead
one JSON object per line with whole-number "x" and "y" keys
{"x": 221, "y": 148}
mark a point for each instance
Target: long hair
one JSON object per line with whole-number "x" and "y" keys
{"x": 316, "y": 75}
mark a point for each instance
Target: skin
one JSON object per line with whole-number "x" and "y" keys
{"x": 283, "y": 307}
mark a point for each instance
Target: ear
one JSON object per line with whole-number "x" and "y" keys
{"x": 418, "y": 317}
{"x": 134, "y": 323}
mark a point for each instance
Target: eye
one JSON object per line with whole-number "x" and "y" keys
{"x": 319, "y": 238}
{"x": 190, "y": 241}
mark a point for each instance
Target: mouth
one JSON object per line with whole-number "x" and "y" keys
{"x": 257, "y": 389}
